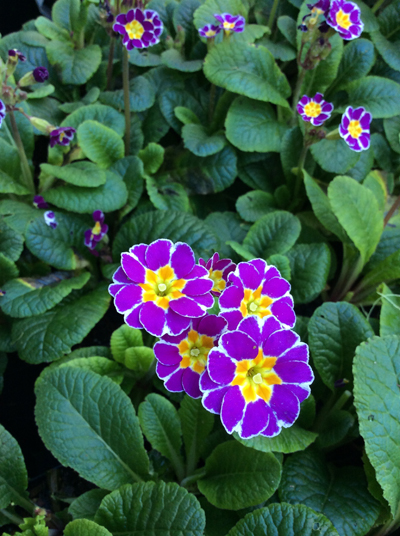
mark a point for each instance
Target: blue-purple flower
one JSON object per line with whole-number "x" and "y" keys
{"x": 39, "y": 202}
{"x": 182, "y": 359}
{"x": 314, "y": 109}
{"x": 354, "y": 128}
{"x": 98, "y": 231}
{"x": 2, "y": 112}
{"x": 40, "y": 74}
{"x": 15, "y": 55}
{"x": 231, "y": 23}
{"x": 50, "y": 219}
{"x": 320, "y": 8}
{"x": 160, "y": 288}
{"x": 140, "y": 29}
{"x": 218, "y": 270}
{"x": 62, "y": 136}
{"x": 209, "y": 30}
{"x": 256, "y": 378}
{"x": 344, "y": 17}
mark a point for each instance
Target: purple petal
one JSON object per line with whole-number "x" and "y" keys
{"x": 366, "y": 120}
{"x": 190, "y": 382}
{"x": 152, "y": 318}
{"x": 176, "y": 324}
{"x": 233, "y": 318}
{"x": 220, "y": 367}
{"x": 164, "y": 371}
{"x": 158, "y": 254}
{"x": 251, "y": 326}
{"x": 211, "y": 325}
{"x": 233, "y": 406}
{"x": 167, "y": 354}
{"x": 139, "y": 251}
{"x": 139, "y": 16}
{"x": 239, "y": 345}
{"x": 114, "y": 288}
{"x": 273, "y": 428}
{"x": 119, "y": 28}
{"x": 120, "y": 276}
{"x": 358, "y": 113}
{"x": 212, "y": 400}
{"x": 186, "y": 307}
{"x": 285, "y": 405}
{"x": 256, "y": 418}
{"x": 275, "y": 287}
{"x": 249, "y": 275}
{"x": 174, "y": 383}
{"x": 128, "y": 297}
{"x": 298, "y": 353}
{"x": 197, "y": 287}
{"x": 364, "y": 140}
{"x": 133, "y": 269}
{"x": 279, "y": 342}
{"x": 300, "y": 392}
{"x": 270, "y": 325}
{"x": 182, "y": 260}
{"x": 198, "y": 271}
{"x": 231, "y": 298}
{"x": 132, "y": 319}
{"x": 121, "y": 19}
{"x": 293, "y": 371}
{"x": 130, "y": 15}
{"x": 283, "y": 312}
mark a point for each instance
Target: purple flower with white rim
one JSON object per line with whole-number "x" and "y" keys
{"x": 256, "y": 378}
{"x": 218, "y": 271}
{"x": 40, "y": 74}
{"x": 354, "y": 128}
{"x": 62, "y": 136}
{"x": 160, "y": 288}
{"x": 50, "y": 219}
{"x": 257, "y": 289}
{"x": 2, "y": 112}
{"x": 314, "y": 109}
{"x": 16, "y": 55}
{"x": 39, "y": 202}
{"x": 182, "y": 359}
{"x": 344, "y": 17}
{"x": 209, "y": 30}
{"x": 140, "y": 29}
{"x": 231, "y": 23}
{"x": 94, "y": 235}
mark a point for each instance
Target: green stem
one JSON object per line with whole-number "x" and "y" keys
{"x": 192, "y": 478}
{"x": 271, "y": 17}
{"x": 26, "y": 170}
{"x": 377, "y": 5}
{"x": 322, "y": 415}
{"x": 211, "y": 103}
{"x": 125, "y": 80}
{"x": 299, "y": 177}
{"x": 110, "y": 62}
{"x": 346, "y": 395}
{"x": 392, "y": 210}
{"x": 390, "y": 526}
{"x": 12, "y": 517}
{"x": 26, "y": 504}
{"x": 346, "y": 280}
{"x": 296, "y": 94}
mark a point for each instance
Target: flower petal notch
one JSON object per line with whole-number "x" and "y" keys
{"x": 314, "y": 109}
{"x": 231, "y": 23}
{"x": 182, "y": 359}
{"x": 218, "y": 270}
{"x": 140, "y": 29}
{"x": 50, "y": 219}
{"x": 256, "y": 378}
{"x": 344, "y": 17}
{"x": 160, "y": 288}
{"x": 354, "y": 128}
{"x": 209, "y": 30}
{"x": 257, "y": 289}
{"x": 62, "y": 136}
{"x": 98, "y": 231}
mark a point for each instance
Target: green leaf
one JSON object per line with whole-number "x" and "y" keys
{"x": 368, "y": 17}
{"x": 335, "y": 330}
{"x": 197, "y": 424}
{"x": 217, "y": 521}
{"x": 50, "y": 30}
{"x": 13, "y": 475}
{"x": 8, "y": 269}
{"x": 152, "y": 157}
{"x": 166, "y": 195}
{"x": 123, "y": 338}
{"x": 186, "y": 115}
{"x": 65, "y": 13}
{"x": 357, "y": 210}
{"x": 284, "y": 520}
{"x": 78, "y": 173}
{"x": 100, "y": 143}
{"x": 255, "y": 204}
{"x": 173, "y": 98}
{"x": 56, "y": 246}
{"x": 141, "y": 96}
{"x": 85, "y": 527}
{"x": 334, "y": 156}
{"x": 252, "y": 126}
{"x": 32, "y": 296}
{"x": 151, "y": 508}
{"x": 197, "y": 139}
{"x": 388, "y": 50}
{"x": 205, "y": 13}
{"x": 380, "y": 96}
{"x": 76, "y": 65}
{"x": 131, "y": 171}
{"x": 173, "y": 59}
{"x": 389, "y": 323}
{"x": 48, "y": 336}
{"x": 320, "y": 78}
{"x": 100, "y": 365}
{"x": 282, "y": 263}
{"x": 176, "y": 226}
{"x": 229, "y": 227}
{"x": 8, "y": 185}
{"x": 10, "y": 162}
{"x": 392, "y": 131}
{"x": 273, "y": 233}
{"x": 376, "y": 183}
{"x": 362, "y": 167}
{"x": 280, "y": 50}
{"x": 98, "y": 435}
{"x": 248, "y": 70}
{"x": 86, "y": 505}
{"x": 238, "y": 477}
{"x": 340, "y": 494}
{"x": 287, "y": 441}
{"x": 105, "y": 115}
{"x": 143, "y": 58}
{"x": 334, "y": 429}
{"x": 183, "y": 16}
{"x": 41, "y": 92}
{"x": 139, "y": 360}
{"x": 108, "y": 197}
{"x": 162, "y": 428}
{"x": 309, "y": 266}
{"x": 11, "y": 242}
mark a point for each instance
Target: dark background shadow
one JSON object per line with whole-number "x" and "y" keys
{"x": 14, "y": 13}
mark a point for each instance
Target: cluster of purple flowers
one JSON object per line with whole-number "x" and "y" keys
{"x": 246, "y": 364}
{"x": 341, "y": 15}
{"x": 139, "y": 28}
{"x": 229, "y": 23}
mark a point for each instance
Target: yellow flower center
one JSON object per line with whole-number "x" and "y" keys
{"x": 216, "y": 276}
{"x": 211, "y": 33}
{"x": 162, "y": 286}
{"x": 312, "y": 109}
{"x": 194, "y": 351}
{"x": 255, "y": 304}
{"x": 343, "y": 19}
{"x": 228, "y": 25}
{"x": 96, "y": 229}
{"x": 61, "y": 135}
{"x": 134, "y": 29}
{"x": 355, "y": 129}
{"x": 256, "y": 376}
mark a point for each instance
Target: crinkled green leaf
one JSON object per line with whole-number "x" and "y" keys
{"x": 173, "y": 59}
{"x": 76, "y": 65}
{"x": 387, "y": 49}
{"x": 197, "y": 424}
{"x": 10, "y": 163}
{"x": 11, "y": 242}
{"x": 8, "y": 269}
{"x": 78, "y": 173}
{"x": 131, "y": 171}
{"x": 389, "y": 321}
{"x": 123, "y": 338}
{"x": 172, "y": 98}
{"x": 380, "y": 96}
{"x": 229, "y": 227}
{"x": 282, "y": 263}
{"x": 152, "y": 157}
{"x": 392, "y": 131}
{"x": 186, "y": 115}
{"x": 98, "y": 364}
{"x": 85, "y": 527}
{"x": 143, "y": 58}
{"x": 335, "y": 428}
{"x": 334, "y": 156}
{"x": 287, "y": 441}
{"x": 13, "y": 475}
{"x": 255, "y": 204}
{"x": 166, "y": 195}
{"x": 86, "y": 505}
{"x": 8, "y": 185}
{"x": 197, "y": 139}
{"x": 281, "y": 50}
{"x": 100, "y": 143}
{"x": 105, "y": 115}
{"x": 205, "y": 13}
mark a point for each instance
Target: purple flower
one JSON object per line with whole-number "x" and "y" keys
{"x": 231, "y": 23}
{"x": 40, "y": 74}
{"x": 209, "y": 30}
{"x": 257, "y": 289}
{"x": 2, "y": 293}
{"x": 61, "y": 136}
{"x": 16, "y": 55}
{"x": 141, "y": 29}
{"x": 354, "y": 128}
{"x": 314, "y": 109}
{"x": 2, "y": 112}
{"x": 94, "y": 235}
{"x": 256, "y": 378}
{"x": 39, "y": 202}
{"x": 50, "y": 219}
{"x": 321, "y": 7}
{"x": 344, "y": 17}
{"x": 218, "y": 270}
{"x": 182, "y": 359}
{"x": 160, "y": 288}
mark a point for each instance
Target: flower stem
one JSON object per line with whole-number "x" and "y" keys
{"x": 347, "y": 277}
{"x": 211, "y": 103}
{"x": 345, "y": 396}
{"x": 377, "y": 5}
{"x": 110, "y": 62}
{"x": 299, "y": 177}
{"x": 192, "y": 478}
{"x": 26, "y": 171}
{"x": 127, "y": 106}
{"x": 271, "y": 17}
{"x": 296, "y": 94}
{"x": 392, "y": 210}
{"x": 12, "y": 517}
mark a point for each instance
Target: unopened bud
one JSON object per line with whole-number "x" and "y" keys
{"x": 169, "y": 42}
{"x": 43, "y": 126}
{"x": 22, "y": 95}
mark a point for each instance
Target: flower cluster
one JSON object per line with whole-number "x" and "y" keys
{"x": 229, "y": 23}
{"x": 246, "y": 364}
{"x": 139, "y": 28}
{"x": 341, "y": 15}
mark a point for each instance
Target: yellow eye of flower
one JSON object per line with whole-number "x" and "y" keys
{"x": 134, "y": 29}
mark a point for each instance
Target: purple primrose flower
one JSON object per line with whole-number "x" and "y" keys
{"x": 182, "y": 359}
{"x": 354, "y": 128}
{"x": 50, "y": 219}
{"x": 2, "y": 112}
{"x": 231, "y": 23}
{"x": 321, "y": 7}
{"x": 314, "y": 109}
{"x": 94, "y": 235}
{"x": 61, "y": 136}
{"x": 209, "y": 30}
{"x": 141, "y": 29}
{"x": 16, "y": 55}
{"x": 39, "y": 202}
{"x": 160, "y": 288}
{"x": 256, "y": 378}
{"x": 40, "y": 74}
{"x": 218, "y": 270}
{"x": 344, "y": 17}
{"x": 257, "y": 289}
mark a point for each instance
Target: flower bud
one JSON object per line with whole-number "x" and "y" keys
{"x": 43, "y": 126}
{"x": 37, "y": 76}
{"x": 14, "y": 56}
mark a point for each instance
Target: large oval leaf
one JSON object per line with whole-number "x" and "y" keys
{"x": 13, "y": 476}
